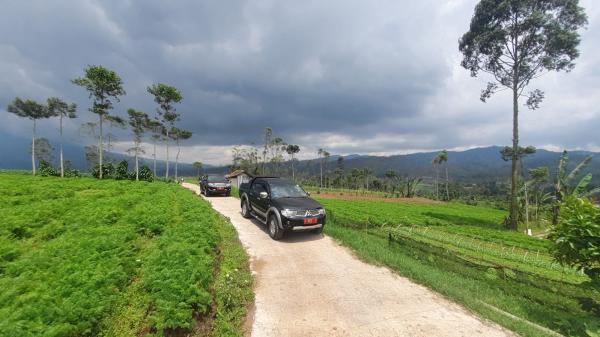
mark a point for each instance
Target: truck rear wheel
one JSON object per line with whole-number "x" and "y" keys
{"x": 245, "y": 209}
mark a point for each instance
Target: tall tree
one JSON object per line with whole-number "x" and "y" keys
{"x": 443, "y": 159}
{"x": 278, "y": 146}
{"x": 139, "y": 123}
{"x": 156, "y": 128}
{"x": 166, "y": 96}
{"x": 517, "y": 41}
{"x": 436, "y": 164}
{"x": 321, "y": 155}
{"x": 34, "y": 111}
{"x": 198, "y": 166}
{"x": 268, "y": 136}
{"x": 177, "y": 135}
{"x": 103, "y": 86}
{"x": 292, "y": 150}
{"x": 60, "y": 108}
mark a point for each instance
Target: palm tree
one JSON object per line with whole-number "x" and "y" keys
{"x": 32, "y": 110}
{"x": 563, "y": 183}
{"x": 58, "y": 107}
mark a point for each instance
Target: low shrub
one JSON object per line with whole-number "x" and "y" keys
{"x": 577, "y": 237}
{"x": 46, "y": 169}
{"x": 121, "y": 170}
{"x": 108, "y": 170}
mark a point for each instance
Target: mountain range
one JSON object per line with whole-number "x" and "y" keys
{"x": 469, "y": 166}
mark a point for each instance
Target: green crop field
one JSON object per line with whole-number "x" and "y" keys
{"x": 462, "y": 252}
{"x": 83, "y": 257}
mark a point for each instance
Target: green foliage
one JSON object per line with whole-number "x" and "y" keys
{"x": 121, "y": 170}
{"x": 577, "y": 237}
{"x": 82, "y": 257}
{"x": 102, "y": 84}
{"x": 46, "y": 169}
{"x": 28, "y": 109}
{"x": 60, "y": 108}
{"x": 165, "y": 96}
{"x": 107, "y": 170}
{"x": 145, "y": 174}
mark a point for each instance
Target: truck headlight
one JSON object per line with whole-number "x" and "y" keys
{"x": 322, "y": 211}
{"x": 288, "y": 213}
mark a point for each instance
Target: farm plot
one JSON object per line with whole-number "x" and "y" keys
{"x": 463, "y": 253}
{"x": 82, "y": 257}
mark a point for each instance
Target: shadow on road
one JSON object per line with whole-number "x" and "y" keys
{"x": 289, "y": 237}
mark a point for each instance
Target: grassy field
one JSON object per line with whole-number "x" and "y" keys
{"x": 462, "y": 252}
{"x": 83, "y": 257}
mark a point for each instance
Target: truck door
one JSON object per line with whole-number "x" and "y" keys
{"x": 259, "y": 205}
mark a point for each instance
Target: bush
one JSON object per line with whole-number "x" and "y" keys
{"x": 577, "y": 237}
{"x": 46, "y": 169}
{"x": 121, "y": 171}
{"x": 107, "y": 170}
{"x": 145, "y": 174}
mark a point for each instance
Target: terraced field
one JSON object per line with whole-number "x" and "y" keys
{"x": 462, "y": 252}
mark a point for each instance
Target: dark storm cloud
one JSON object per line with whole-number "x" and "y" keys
{"x": 350, "y": 76}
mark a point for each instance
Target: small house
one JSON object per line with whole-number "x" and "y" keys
{"x": 238, "y": 177}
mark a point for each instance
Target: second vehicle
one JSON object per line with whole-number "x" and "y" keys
{"x": 214, "y": 184}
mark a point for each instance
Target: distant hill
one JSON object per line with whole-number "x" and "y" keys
{"x": 470, "y": 166}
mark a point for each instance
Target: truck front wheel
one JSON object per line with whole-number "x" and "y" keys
{"x": 275, "y": 232}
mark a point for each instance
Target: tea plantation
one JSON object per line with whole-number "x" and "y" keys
{"x": 84, "y": 257}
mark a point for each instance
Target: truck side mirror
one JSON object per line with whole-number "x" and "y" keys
{"x": 263, "y": 195}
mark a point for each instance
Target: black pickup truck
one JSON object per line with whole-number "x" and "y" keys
{"x": 282, "y": 205}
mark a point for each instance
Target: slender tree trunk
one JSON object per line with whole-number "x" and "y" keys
{"x": 100, "y": 147}
{"x": 137, "y": 166}
{"x": 154, "y": 158}
{"x": 321, "y": 162}
{"x": 514, "y": 206}
{"x": 437, "y": 185}
{"x": 62, "y": 164}
{"x": 177, "y": 159}
{"x": 167, "y": 171}
{"x": 33, "y": 148}
{"x": 447, "y": 191}
{"x": 526, "y": 208}
{"x": 293, "y": 172}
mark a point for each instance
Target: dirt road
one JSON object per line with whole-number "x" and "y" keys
{"x": 308, "y": 285}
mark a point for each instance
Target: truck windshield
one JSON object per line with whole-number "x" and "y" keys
{"x": 286, "y": 190}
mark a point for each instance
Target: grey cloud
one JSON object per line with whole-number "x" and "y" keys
{"x": 381, "y": 76}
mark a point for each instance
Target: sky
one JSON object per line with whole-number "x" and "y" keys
{"x": 350, "y": 76}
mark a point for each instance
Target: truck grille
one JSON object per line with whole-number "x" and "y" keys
{"x": 310, "y": 212}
